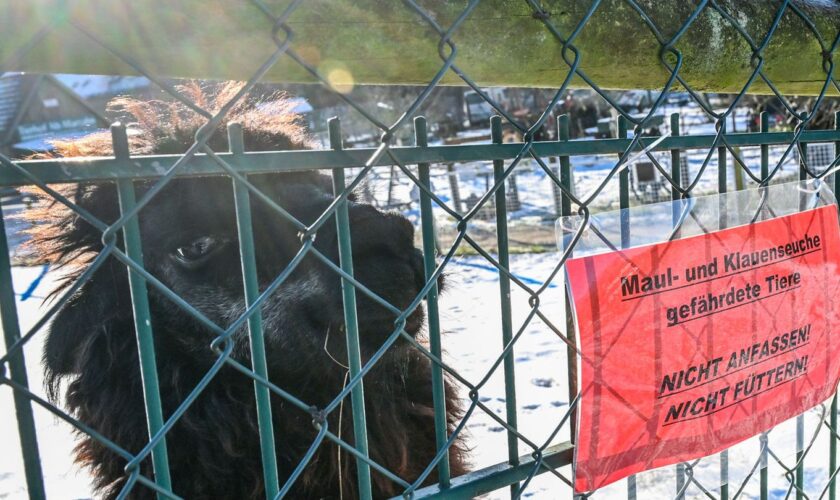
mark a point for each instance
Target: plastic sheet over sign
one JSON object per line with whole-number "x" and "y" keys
{"x": 691, "y": 345}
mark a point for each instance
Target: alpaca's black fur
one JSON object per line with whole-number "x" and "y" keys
{"x": 214, "y": 449}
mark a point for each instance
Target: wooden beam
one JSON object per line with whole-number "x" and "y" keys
{"x": 385, "y": 42}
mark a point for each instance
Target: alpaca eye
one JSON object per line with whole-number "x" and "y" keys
{"x": 198, "y": 251}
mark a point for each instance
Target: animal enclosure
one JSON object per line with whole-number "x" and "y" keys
{"x": 782, "y": 48}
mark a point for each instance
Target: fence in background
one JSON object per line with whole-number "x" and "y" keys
{"x": 415, "y": 162}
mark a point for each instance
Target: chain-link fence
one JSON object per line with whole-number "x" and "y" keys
{"x": 147, "y": 470}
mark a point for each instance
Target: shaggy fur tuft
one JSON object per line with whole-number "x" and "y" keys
{"x": 190, "y": 244}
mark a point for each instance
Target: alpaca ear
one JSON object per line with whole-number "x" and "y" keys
{"x": 91, "y": 316}
{"x": 71, "y": 242}
{"x": 78, "y": 322}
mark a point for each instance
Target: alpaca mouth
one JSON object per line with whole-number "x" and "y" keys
{"x": 418, "y": 265}
{"x": 398, "y": 282}
{"x": 375, "y": 331}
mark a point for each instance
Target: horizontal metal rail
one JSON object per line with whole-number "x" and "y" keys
{"x": 500, "y": 475}
{"x": 93, "y": 169}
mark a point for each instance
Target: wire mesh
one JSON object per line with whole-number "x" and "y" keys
{"x": 543, "y": 456}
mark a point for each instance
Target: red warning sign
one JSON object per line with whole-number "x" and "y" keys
{"x": 690, "y": 346}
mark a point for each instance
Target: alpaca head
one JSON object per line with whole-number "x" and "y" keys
{"x": 190, "y": 244}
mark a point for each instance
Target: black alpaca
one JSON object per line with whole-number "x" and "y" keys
{"x": 190, "y": 244}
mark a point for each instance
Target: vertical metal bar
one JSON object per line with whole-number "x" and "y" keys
{"x": 351, "y": 321}
{"x": 724, "y": 475}
{"x": 722, "y": 182}
{"x": 765, "y": 148}
{"x": 624, "y": 217}
{"x": 680, "y": 482}
{"x": 803, "y": 175}
{"x": 565, "y": 166}
{"x": 832, "y": 447}
{"x": 17, "y": 368}
{"x": 142, "y": 316}
{"x": 739, "y": 173}
{"x": 555, "y": 188}
{"x": 722, "y": 185}
{"x": 631, "y": 487}
{"x": 504, "y": 290}
{"x": 803, "y": 157}
{"x": 803, "y": 203}
{"x": 624, "y": 190}
{"x": 722, "y": 176}
{"x": 763, "y": 480}
{"x": 676, "y": 170}
{"x": 800, "y": 453}
{"x": 427, "y": 218}
{"x": 836, "y": 175}
{"x": 565, "y": 211}
{"x": 256, "y": 338}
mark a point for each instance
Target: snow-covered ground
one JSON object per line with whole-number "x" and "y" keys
{"x": 471, "y": 318}
{"x": 55, "y": 439}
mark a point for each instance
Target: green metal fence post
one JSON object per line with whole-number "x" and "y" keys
{"x": 624, "y": 188}
{"x": 624, "y": 218}
{"x": 764, "y": 490}
{"x": 676, "y": 170}
{"x": 803, "y": 175}
{"x": 800, "y": 454}
{"x": 722, "y": 180}
{"x": 803, "y": 158}
{"x": 800, "y": 420}
{"x": 763, "y": 441}
{"x": 764, "y": 478}
{"x": 351, "y": 320}
{"x": 723, "y": 220}
{"x": 429, "y": 264}
{"x": 832, "y": 460}
{"x": 504, "y": 290}
{"x": 256, "y": 338}
{"x": 738, "y": 171}
{"x": 565, "y": 166}
{"x": 836, "y": 175}
{"x": 765, "y": 149}
{"x": 832, "y": 449}
{"x": 565, "y": 211}
{"x": 17, "y": 369}
{"x": 675, "y": 175}
{"x": 142, "y": 316}
{"x": 724, "y": 475}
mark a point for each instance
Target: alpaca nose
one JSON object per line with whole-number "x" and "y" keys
{"x": 376, "y": 232}
{"x": 419, "y": 268}
{"x": 379, "y": 233}
{"x": 386, "y": 262}
{"x": 385, "y": 241}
